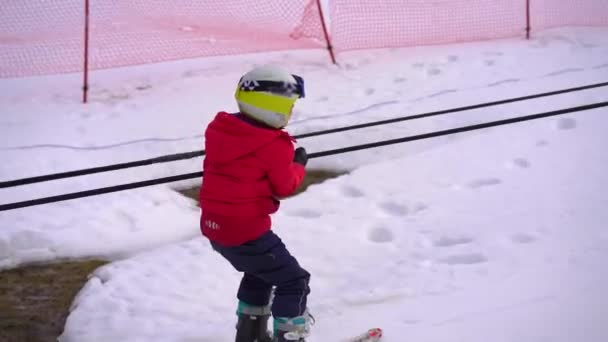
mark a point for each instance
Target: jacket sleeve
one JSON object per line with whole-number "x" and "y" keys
{"x": 286, "y": 179}
{"x": 284, "y": 175}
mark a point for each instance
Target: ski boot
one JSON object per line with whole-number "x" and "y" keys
{"x": 295, "y": 329}
{"x": 252, "y": 325}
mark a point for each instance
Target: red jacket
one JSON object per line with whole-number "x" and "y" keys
{"x": 246, "y": 169}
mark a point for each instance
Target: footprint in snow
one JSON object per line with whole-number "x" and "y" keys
{"x": 483, "y": 182}
{"x": 523, "y": 238}
{"x": 419, "y": 207}
{"x": 419, "y": 65}
{"x": 464, "y": 259}
{"x": 351, "y": 191}
{"x": 449, "y": 241}
{"x": 365, "y": 61}
{"x": 393, "y": 208}
{"x": 305, "y": 213}
{"x": 564, "y": 71}
{"x": 443, "y": 92}
{"x": 493, "y": 53}
{"x": 350, "y": 66}
{"x": 380, "y": 234}
{"x": 508, "y": 80}
{"x": 433, "y": 71}
{"x": 521, "y": 163}
{"x": 566, "y": 123}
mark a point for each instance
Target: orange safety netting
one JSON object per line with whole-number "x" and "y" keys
{"x": 555, "y": 13}
{"x": 42, "y": 37}
{"x": 47, "y": 37}
{"x": 364, "y": 24}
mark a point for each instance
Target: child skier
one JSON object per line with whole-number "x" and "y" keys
{"x": 250, "y": 164}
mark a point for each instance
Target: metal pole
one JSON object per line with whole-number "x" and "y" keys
{"x": 85, "y": 84}
{"x": 329, "y": 46}
{"x": 527, "y": 19}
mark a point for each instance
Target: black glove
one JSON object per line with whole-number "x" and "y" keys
{"x": 300, "y": 157}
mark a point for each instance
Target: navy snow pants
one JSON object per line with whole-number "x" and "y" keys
{"x": 265, "y": 263}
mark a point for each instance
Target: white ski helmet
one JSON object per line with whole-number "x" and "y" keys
{"x": 268, "y": 94}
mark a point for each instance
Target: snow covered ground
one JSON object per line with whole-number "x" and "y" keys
{"x": 499, "y": 234}
{"x": 511, "y": 244}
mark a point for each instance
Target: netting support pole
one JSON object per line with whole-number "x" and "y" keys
{"x": 85, "y": 82}
{"x": 527, "y": 19}
{"x": 330, "y": 48}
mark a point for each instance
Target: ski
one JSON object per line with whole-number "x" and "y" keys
{"x": 372, "y": 335}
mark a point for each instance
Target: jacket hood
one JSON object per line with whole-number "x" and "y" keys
{"x": 229, "y": 137}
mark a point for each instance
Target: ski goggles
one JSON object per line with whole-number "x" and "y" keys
{"x": 276, "y": 87}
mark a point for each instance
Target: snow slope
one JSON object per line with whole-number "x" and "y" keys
{"x": 501, "y": 236}
{"x": 498, "y": 233}
{"x": 153, "y": 110}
